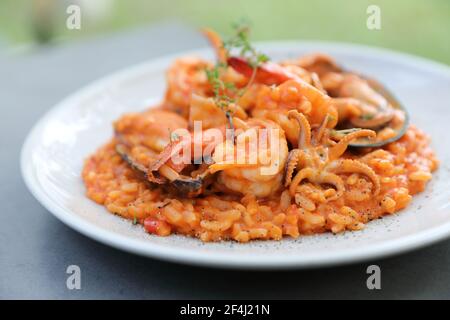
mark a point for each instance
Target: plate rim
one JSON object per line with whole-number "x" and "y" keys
{"x": 228, "y": 260}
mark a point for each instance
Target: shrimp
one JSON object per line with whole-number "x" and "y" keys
{"x": 287, "y": 91}
{"x": 185, "y": 77}
{"x": 216, "y": 42}
{"x": 206, "y": 110}
{"x": 255, "y": 164}
{"x": 267, "y": 73}
{"x": 274, "y": 103}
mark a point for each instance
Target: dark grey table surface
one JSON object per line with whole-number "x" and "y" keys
{"x": 36, "y": 248}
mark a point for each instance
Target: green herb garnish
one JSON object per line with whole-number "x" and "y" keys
{"x": 221, "y": 99}
{"x": 238, "y": 42}
{"x": 241, "y": 42}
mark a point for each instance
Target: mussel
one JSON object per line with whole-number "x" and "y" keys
{"x": 144, "y": 141}
{"x": 398, "y": 122}
{"x": 380, "y": 109}
{"x": 172, "y": 181}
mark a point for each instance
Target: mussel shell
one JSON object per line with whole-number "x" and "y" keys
{"x": 123, "y": 151}
{"x": 184, "y": 186}
{"x": 395, "y": 103}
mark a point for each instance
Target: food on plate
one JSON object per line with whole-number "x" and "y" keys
{"x": 247, "y": 148}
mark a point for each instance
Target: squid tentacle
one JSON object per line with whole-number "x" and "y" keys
{"x": 314, "y": 176}
{"x": 295, "y": 159}
{"x": 338, "y": 150}
{"x": 304, "y": 138}
{"x": 355, "y": 166}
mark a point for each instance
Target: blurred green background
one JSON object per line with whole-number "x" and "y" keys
{"x": 420, "y": 27}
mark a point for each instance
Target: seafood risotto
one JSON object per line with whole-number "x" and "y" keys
{"x": 247, "y": 149}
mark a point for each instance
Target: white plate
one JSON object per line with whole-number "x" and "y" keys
{"x": 53, "y": 154}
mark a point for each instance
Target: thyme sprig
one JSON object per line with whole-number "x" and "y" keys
{"x": 238, "y": 42}
{"x": 241, "y": 42}
{"x": 219, "y": 86}
{"x": 221, "y": 99}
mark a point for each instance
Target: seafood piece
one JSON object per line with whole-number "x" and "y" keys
{"x": 172, "y": 180}
{"x": 365, "y": 103}
{"x": 226, "y": 74}
{"x": 394, "y": 129}
{"x": 190, "y": 153}
{"x": 291, "y": 93}
{"x": 216, "y": 42}
{"x": 357, "y": 88}
{"x": 274, "y": 103}
{"x": 318, "y": 63}
{"x": 145, "y": 138}
{"x": 355, "y": 166}
{"x": 361, "y": 102}
{"x": 205, "y": 110}
{"x": 185, "y": 77}
{"x": 255, "y": 163}
{"x": 267, "y": 73}
{"x": 317, "y": 160}
{"x": 151, "y": 128}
